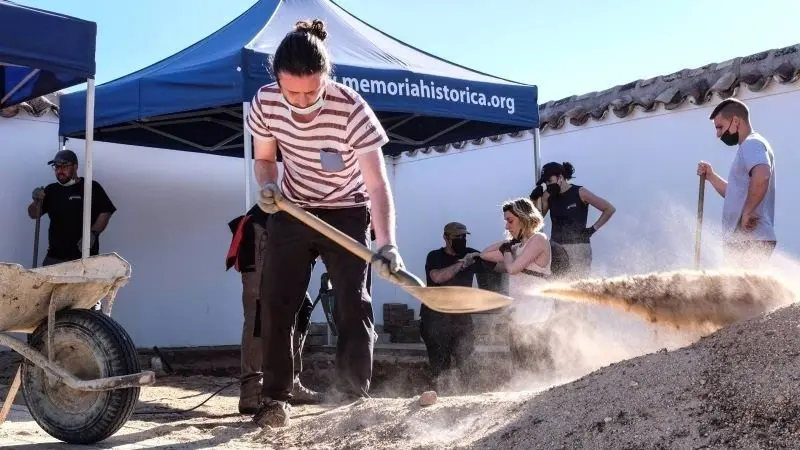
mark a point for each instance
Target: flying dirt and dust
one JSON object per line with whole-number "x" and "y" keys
{"x": 683, "y": 299}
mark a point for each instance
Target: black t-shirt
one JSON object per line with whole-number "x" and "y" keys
{"x": 64, "y": 206}
{"x": 439, "y": 259}
{"x": 568, "y": 214}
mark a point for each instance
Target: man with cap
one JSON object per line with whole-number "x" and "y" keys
{"x": 449, "y": 338}
{"x": 63, "y": 203}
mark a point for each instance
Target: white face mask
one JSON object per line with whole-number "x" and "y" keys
{"x": 68, "y": 183}
{"x": 308, "y": 109}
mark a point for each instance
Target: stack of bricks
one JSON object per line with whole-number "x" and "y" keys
{"x": 399, "y": 323}
{"x": 317, "y": 334}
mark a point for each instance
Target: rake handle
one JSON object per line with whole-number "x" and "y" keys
{"x": 403, "y": 277}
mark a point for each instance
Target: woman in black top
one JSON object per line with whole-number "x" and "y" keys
{"x": 568, "y": 205}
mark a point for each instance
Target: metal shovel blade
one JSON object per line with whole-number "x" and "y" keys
{"x": 458, "y": 299}
{"x": 445, "y": 299}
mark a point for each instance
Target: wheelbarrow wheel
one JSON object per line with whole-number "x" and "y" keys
{"x": 89, "y": 345}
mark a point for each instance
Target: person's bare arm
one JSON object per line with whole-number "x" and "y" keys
{"x": 266, "y": 161}
{"x": 101, "y": 223}
{"x": 35, "y": 209}
{"x": 492, "y": 254}
{"x": 545, "y": 204}
{"x": 531, "y": 252}
{"x": 446, "y": 274}
{"x": 759, "y": 181}
{"x": 604, "y": 206}
{"x": 719, "y": 184}
{"x": 373, "y": 170}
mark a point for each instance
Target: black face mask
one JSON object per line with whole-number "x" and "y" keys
{"x": 459, "y": 245}
{"x": 553, "y": 189}
{"x": 728, "y": 138}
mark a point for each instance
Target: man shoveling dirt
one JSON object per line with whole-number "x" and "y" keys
{"x": 331, "y": 143}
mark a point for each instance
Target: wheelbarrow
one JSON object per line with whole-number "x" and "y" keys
{"x": 80, "y": 374}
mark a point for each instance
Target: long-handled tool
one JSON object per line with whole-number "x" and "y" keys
{"x": 445, "y": 299}
{"x": 36, "y": 243}
{"x": 699, "y": 231}
{"x": 15, "y": 384}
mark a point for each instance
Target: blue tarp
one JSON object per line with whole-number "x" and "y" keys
{"x": 226, "y": 68}
{"x": 42, "y": 52}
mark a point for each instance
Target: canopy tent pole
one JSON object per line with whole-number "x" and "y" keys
{"x": 248, "y": 156}
{"x": 87, "y": 177}
{"x": 537, "y": 163}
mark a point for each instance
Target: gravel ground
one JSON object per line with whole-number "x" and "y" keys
{"x": 736, "y": 388}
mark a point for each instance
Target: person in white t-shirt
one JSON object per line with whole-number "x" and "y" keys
{"x": 748, "y": 209}
{"x": 333, "y": 164}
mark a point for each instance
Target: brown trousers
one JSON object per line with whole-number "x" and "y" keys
{"x": 251, "y": 350}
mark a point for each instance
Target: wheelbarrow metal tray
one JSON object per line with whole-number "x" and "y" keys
{"x": 25, "y": 294}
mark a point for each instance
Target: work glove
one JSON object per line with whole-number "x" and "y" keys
{"x": 268, "y": 198}
{"x": 38, "y": 194}
{"x": 588, "y": 232}
{"x": 506, "y": 246}
{"x": 537, "y": 193}
{"x": 470, "y": 258}
{"x": 387, "y": 262}
{"x": 92, "y": 240}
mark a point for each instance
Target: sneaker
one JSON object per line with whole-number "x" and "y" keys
{"x": 302, "y": 394}
{"x": 273, "y": 413}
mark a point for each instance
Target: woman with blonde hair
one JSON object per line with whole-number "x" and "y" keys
{"x": 526, "y": 257}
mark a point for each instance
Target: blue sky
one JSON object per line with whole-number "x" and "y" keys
{"x": 564, "y": 47}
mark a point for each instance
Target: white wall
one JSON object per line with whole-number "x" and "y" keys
{"x": 174, "y": 206}
{"x": 645, "y": 165}
{"x": 171, "y": 225}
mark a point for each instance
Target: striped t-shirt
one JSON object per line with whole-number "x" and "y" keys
{"x": 320, "y": 164}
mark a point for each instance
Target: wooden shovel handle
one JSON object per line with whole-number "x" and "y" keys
{"x": 403, "y": 277}
{"x": 699, "y": 231}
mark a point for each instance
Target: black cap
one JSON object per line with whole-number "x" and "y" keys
{"x": 64, "y": 156}
{"x": 550, "y": 169}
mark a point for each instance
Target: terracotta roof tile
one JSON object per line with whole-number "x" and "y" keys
{"x": 672, "y": 91}
{"x": 36, "y": 107}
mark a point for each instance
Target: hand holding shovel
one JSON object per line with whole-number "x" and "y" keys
{"x": 445, "y": 299}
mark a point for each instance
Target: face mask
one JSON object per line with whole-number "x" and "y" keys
{"x": 553, "y": 189}
{"x": 307, "y": 110}
{"x": 728, "y": 138}
{"x": 459, "y": 245}
{"x": 68, "y": 183}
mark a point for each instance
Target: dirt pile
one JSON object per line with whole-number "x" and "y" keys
{"x": 737, "y": 388}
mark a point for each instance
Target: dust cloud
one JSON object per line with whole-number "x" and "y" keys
{"x": 652, "y": 303}
{"x": 683, "y": 299}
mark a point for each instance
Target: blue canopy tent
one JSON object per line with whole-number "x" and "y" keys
{"x": 42, "y": 52}
{"x": 196, "y": 99}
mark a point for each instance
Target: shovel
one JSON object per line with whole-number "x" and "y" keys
{"x": 699, "y": 231}
{"x": 444, "y": 299}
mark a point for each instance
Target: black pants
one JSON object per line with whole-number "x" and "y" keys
{"x": 449, "y": 339}
{"x": 284, "y": 280}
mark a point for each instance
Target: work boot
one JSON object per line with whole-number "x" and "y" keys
{"x": 273, "y": 413}
{"x": 302, "y": 394}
